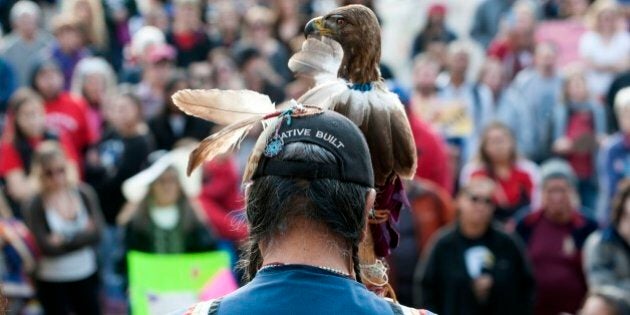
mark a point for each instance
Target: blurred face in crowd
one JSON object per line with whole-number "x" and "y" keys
{"x": 595, "y": 305}
{"x": 200, "y": 75}
{"x": 575, "y": 7}
{"x": 498, "y": 145}
{"x": 188, "y": 13}
{"x": 26, "y": 25}
{"x": 492, "y": 75}
{"x": 425, "y": 74}
{"x": 49, "y": 82}
{"x": 475, "y": 203}
{"x": 623, "y": 119}
{"x": 436, "y": 18}
{"x": 225, "y": 75}
{"x": 160, "y": 71}
{"x": 124, "y": 114}
{"x": 157, "y": 16}
{"x": 545, "y": 57}
{"x": 30, "y": 118}
{"x": 54, "y": 173}
{"x": 557, "y": 197}
{"x": 287, "y": 7}
{"x": 94, "y": 88}
{"x": 607, "y": 21}
{"x": 458, "y": 62}
{"x": 522, "y": 38}
{"x": 228, "y": 20}
{"x": 166, "y": 189}
{"x": 70, "y": 39}
{"x": 576, "y": 88}
{"x": 83, "y": 11}
{"x": 253, "y": 72}
{"x": 259, "y": 29}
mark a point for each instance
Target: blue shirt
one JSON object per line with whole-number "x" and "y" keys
{"x": 301, "y": 289}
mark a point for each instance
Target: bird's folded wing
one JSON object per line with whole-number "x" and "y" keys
{"x": 381, "y": 117}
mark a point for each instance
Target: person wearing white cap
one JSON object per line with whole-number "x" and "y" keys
{"x": 162, "y": 216}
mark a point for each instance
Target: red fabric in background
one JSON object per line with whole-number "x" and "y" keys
{"x": 512, "y": 186}
{"x": 10, "y": 159}
{"x": 221, "y": 199}
{"x": 581, "y": 123}
{"x": 68, "y": 114}
{"x": 432, "y": 154}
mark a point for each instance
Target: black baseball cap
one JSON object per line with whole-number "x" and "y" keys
{"x": 326, "y": 129}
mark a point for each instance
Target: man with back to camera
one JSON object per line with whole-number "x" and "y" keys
{"x": 307, "y": 208}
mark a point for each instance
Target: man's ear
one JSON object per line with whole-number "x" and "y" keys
{"x": 370, "y": 198}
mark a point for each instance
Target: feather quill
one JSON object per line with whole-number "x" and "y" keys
{"x": 221, "y": 142}
{"x": 223, "y": 107}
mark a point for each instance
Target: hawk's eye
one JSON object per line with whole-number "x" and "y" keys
{"x": 341, "y": 22}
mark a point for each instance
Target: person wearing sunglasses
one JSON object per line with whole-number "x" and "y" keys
{"x": 473, "y": 267}
{"x": 555, "y": 235}
{"x": 65, "y": 218}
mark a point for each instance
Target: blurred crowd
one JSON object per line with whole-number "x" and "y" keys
{"x": 521, "y": 203}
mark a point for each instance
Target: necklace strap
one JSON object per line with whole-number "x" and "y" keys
{"x": 329, "y": 269}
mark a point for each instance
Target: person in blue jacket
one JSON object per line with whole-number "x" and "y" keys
{"x": 307, "y": 207}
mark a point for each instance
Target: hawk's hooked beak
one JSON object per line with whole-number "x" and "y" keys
{"x": 315, "y": 27}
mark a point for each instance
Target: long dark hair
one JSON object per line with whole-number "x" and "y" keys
{"x": 188, "y": 218}
{"x": 19, "y": 139}
{"x": 273, "y": 201}
{"x": 484, "y": 157}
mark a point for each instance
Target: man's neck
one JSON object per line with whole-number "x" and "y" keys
{"x": 28, "y": 36}
{"x": 559, "y": 217}
{"x": 472, "y": 230}
{"x": 546, "y": 72}
{"x": 457, "y": 79}
{"x": 305, "y": 244}
{"x": 425, "y": 91}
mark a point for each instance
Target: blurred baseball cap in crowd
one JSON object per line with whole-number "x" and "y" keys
{"x": 161, "y": 52}
{"x": 437, "y": 9}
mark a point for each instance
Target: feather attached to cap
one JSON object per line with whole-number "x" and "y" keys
{"x": 241, "y": 110}
{"x": 223, "y": 107}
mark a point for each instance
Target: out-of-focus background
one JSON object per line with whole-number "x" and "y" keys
{"x": 98, "y": 215}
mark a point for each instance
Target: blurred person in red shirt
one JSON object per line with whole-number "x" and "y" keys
{"x": 579, "y": 128}
{"x": 187, "y": 33}
{"x": 65, "y": 113}
{"x": 516, "y": 177}
{"x": 222, "y": 200}
{"x": 515, "y": 46}
{"x": 555, "y": 235}
{"x": 25, "y": 131}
